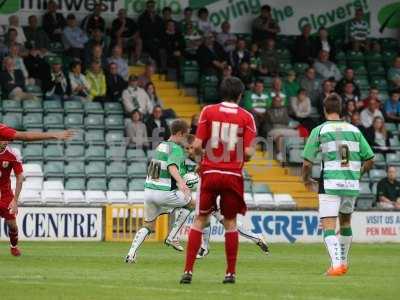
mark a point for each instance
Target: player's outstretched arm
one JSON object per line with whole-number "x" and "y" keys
{"x": 13, "y": 207}
{"x": 40, "y": 136}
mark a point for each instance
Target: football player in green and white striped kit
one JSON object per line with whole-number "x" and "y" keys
{"x": 346, "y": 155}
{"x": 165, "y": 188}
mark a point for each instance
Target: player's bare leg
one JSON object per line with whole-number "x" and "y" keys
{"x": 138, "y": 240}
{"x": 345, "y": 239}
{"x": 332, "y": 245}
{"x": 13, "y": 234}
{"x": 231, "y": 249}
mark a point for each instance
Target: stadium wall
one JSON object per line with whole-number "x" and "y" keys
{"x": 291, "y": 14}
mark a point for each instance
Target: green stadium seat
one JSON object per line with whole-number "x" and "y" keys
{"x": 190, "y": 73}
{"x": 53, "y": 106}
{"x": 94, "y": 121}
{"x": 116, "y": 153}
{"x": 13, "y": 120}
{"x": 377, "y": 174}
{"x": 379, "y": 160}
{"x": 362, "y": 83}
{"x": 75, "y": 184}
{"x": 261, "y": 188}
{"x": 390, "y": 43}
{"x": 118, "y": 184}
{"x": 295, "y": 156}
{"x": 388, "y": 57}
{"x": 95, "y": 152}
{"x": 113, "y": 108}
{"x": 341, "y": 57}
{"x": 209, "y": 88}
{"x": 354, "y": 56}
{"x": 32, "y": 120}
{"x": 115, "y": 122}
{"x": 96, "y": 184}
{"x": 95, "y": 169}
{"x": 393, "y": 159}
{"x": 376, "y": 69}
{"x": 373, "y": 57}
{"x": 135, "y": 155}
{"x": 365, "y": 202}
{"x": 294, "y": 142}
{"x": 116, "y": 169}
{"x": 93, "y": 108}
{"x": 365, "y": 188}
{"x": 34, "y": 162}
{"x": 285, "y": 67}
{"x": 95, "y": 137}
{"x": 53, "y": 121}
{"x": 34, "y": 89}
{"x": 74, "y": 152}
{"x": 115, "y": 137}
{"x": 284, "y": 54}
{"x": 73, "y": 107}
{"x": 359, "y": 70}
{"x": 384, "y": 95}
{"x": 380, "y": 83}
{"x": 74, "y": 169}
{"x": 54, "y": 152}
{"x": 150, "y": 154}
{"x": 342, "y": 68}
{"x": 316, "y": 171}
{"x": 391, "y": 127}
{"x": 33, "y": 152}
{"x": 11, "y": 106}
{"x": 395, "y": 143}
{"x": 300, "y": 68}
{"x": 78, "y": 138}
{"x": 54, "y": 169}
{"x": 73, "y": 121}
{"x": 31, "y": 106}
{"x": 137, "y": 169}
{"x": 136, "y": 184}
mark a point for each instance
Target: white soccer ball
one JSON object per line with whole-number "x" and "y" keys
{"x": 191, "y": 179}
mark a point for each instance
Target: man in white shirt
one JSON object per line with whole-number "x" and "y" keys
{"x": 134, "y": 97}
{"x": 370, "y": 113}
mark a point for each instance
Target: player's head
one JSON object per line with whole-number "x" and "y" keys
{"x": 179, "y": 130}
{"x": 3, "y": 145}
{"x": 189, "y": 145}
{"x": 333, "y": 105}
{"x": 391, "y": 172}
{"x": 231, "y": 89}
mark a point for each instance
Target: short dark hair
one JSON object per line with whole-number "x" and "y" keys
{"x": 259, "y": 81}
{"x": 202, "y": 10}
{"x": 179, "y": 125}
{"x": 136, "y": 111}
{"x": 167, "y": 8}
{"x": 231, "y": 89}
{"x": 266, "y": 7}
{"x": 394, "y": 91}
{"x": 190, "y": 138}
{"x": 333, "y": 104}
{"x": 188, "y": 9}
{"x": 71, "y": 17}
{"x": 74, "y": 63}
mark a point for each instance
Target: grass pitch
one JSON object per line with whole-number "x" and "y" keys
{"x": 62, "y": 270}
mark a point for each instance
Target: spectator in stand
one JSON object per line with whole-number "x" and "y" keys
{"x": 97, "y": 55}
{"x": 171, "y": 48}
{"x": 122, "y": 64}
{"x": 35, "y": 36}
{"x": 392, "y": 107}
{"x": 125, "y": 33}
{"x": 325, "y": 68}
{"x": 277, "y": 91}
{"x": 194, "y": 123}
{"x": 146, "y": 77}
{"x": 115, "y": 84}
{"x": 292, "y": 86}
{"x": 347, "y": 78}
{"x": 238, "y": 55}
{"x": 226, "y": 38}
{"x": 370, "y": 113}
{"x": 37, "y": 67}
{"x": 157, "y": 127}
{"x": 12, "y": 82}
{"x": 187, "y": 19}
{"x": 300, "y": 109}
{"x": 57, "y": 86}
{"x": 255, "y": 61}
{"x": 327, "y": 89}
{"x": 97, "y": 81}
{"x": 192, "y": 39}
{"x": 324, "y": 42}
{"x": 155, "y": 100}
{"x": 356, "y": 121}
{"x": 97, "y": 38}
{"x": 257, "y": 102}
{"x": 134, "y": 97}
{"x": 246, "y": 74}
{"x": 94, "y": 21}
{"x": 388, "y": 190}
{"x": 203, "y": 24}
{"x": 372, "y": 94}
{"x": 393, "y": 74}
{"x": 226, "y": 72}
{"x": 378, "y": 137}
{"x": 167, "y": 17}
{"x": 269, "y": 57}
{"x": 211, "y": 56}
{"x": 11, "y": 40}
{"x": 150, "y": 26}
{"x": 304, "y": 47}
{"x": 278, "y": 121}
{"x": 311, "y": 84}
{"x": 74, "y": 38}
{"x": 264, "y": 27}
{"x": 358, "y": 31}
{"x": 136, "y": 131}
{"x": 349, "y": 95}
{"x": 349, "y": 110}
{"x": 19, "y": 63}
{"x": 13, "y": 22}
{"x": 80, "y": 86}
{"x": 53, "y": 23}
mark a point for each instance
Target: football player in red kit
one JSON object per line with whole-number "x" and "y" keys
{"x": 224, "y": 138}
{"x": 10, "y": 161}
{"x": 10, "y": 134}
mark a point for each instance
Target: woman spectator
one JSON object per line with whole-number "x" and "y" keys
{"x": 136, "y": 131}
{"x": 80, "y": 86}
{"x": 292, "y": 86}
{"x": 171, "y": 47}
{"x": 204, "y": 24}
{"x": 14, "y": 23}
{"x": 378, "y": 136}
{"x": 349, "y": 110}
{"x": 97, "y": 82}
{"x": 301, "y": 109}
{"x": 277, "y": 90}
{"x": 324, "y": 42}
{"x": 156, "y": 101}
{"x": 19, "y": 62}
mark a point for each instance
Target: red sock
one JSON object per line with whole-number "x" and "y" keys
{"x": 231, "y": 250}
{"x": 193, "y": 247}
{"x": 13, "y": 238}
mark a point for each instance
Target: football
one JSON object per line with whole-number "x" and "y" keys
{"x": 191, "y": 179}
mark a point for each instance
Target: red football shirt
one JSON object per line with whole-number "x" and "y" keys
{"x": 6, "y": 133}
{"x": 226, "y": 131}
{"x": 9, "y": 160}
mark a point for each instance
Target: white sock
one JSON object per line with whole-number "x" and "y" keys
{"x": 332, "y": 244}
{"x": 247, "y": 233}
{"x": 206, "y": 237}
{"x": 218, "y": 216}
{"x": 182, "y": 215}
{"x": 345, "y": 242}
{"x": 139, "y": 238}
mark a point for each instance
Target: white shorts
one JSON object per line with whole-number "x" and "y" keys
{"x": 332, "y": 205}
{"x": 162, "y": 202}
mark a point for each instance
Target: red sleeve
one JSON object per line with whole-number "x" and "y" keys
{"x": 7, "y": 133}
{"x": 250, "y": 131}
{"x": 202, "y": 132}
{"x": 17, "y": 167}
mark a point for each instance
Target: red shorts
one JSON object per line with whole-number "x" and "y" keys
{"x": 5, "y": 213}
{"x": 229, "y": 187}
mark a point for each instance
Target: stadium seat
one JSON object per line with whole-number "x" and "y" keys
{"x": 95, "y": 152}
{"x": 13, "y": 120}
{"x": 78, "y": 138}
{"x": 362, "y": 83}
{"x": 52, "y": 197}
{"x": 285, "y": 67}
{"x": 284, "y": 54}
{"x": 33, "y": 151}
{"x": 136, "y": 184}
{"x": 377, "y": 174}
{"x": 381, "y": 84}
{"x": 115, "y": 137}
{"x": 116, "y": 169}
{"x": 116, "y": 153}
{"x": 137, "y": 169}
{"x": 394, "y": 143}
{"x": 32, "y": 106}
{"x": 365, "y": 188}
{"x": 379, "y": 160}
{"x": 53, "y": 185}
{"x": 264, "y": 200}
{"x": 93, "y": 108}
{"x": 32, "y": 121}
{"x": 95, "y": 169}
{"x": 393, "y": 159}
{"x": 209, "y": 88}
{"x": 75, "y": 184}
{"x": 74, "y": 197}
{"x": 54, "y": 152}
{"x": 73, "y": 107}
{"x": 33, "y": 183}
{"x": 316, "y": 171}
{"x": 75, "y": 152}
{"x": 94, "y": 121}
{"x": 54, "y": 169}
{"x": 135, "y": 155}
{"x": 11, "y": 106}
{"x": 363, "y": 203}
{"x": 190, "y": 73}
{"x": 30, "y": 197}
{"x": 136, "y": 197}
{"x": 74, "y": 169}
{"x": 295, "y": 156}
{"x": 96, "y": 197}
{"x": 53, "y": 106}
{"x": 373, "y": 57}
{"x": 73, "y": 121}
{"x": 95, "y": 137}
{"x": 32, "y": 170}
{"x": 118, "y": 184}
{"x": 300, "y": 68}
{"x": 116, "y": 197}
{"x": 354, "y": 56}
{"x": 53, "y": 121}
{"x": 96, "y": 184}
{"x": 114, "y": 122}
{"x": 113, "y": 108}
{"x": 284, "y": 201}
{"x": 261, "y": 188}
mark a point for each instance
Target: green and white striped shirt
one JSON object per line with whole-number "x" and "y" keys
{"x": 343, "y": 148}
{"x": 358, "y": 30}
{"x": 166, "y": 154}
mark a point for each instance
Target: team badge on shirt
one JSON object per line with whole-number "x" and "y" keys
{"x": 5, "y": 164}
